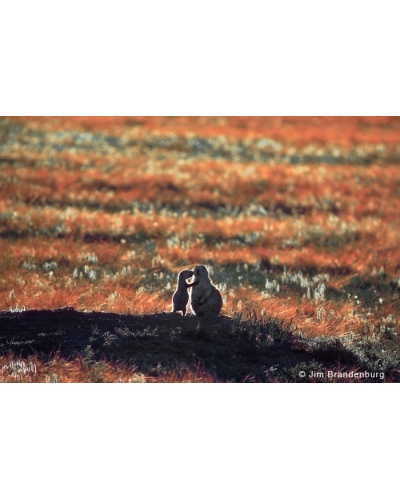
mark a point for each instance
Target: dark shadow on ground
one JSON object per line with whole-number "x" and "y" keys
{"x": 260, "y": 350}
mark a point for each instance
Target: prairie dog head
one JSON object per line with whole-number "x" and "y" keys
{"x": 200, "y": 273}
{"x": 184, "y": 275}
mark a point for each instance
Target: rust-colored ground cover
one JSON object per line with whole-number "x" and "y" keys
{"x": 297, "y": 219}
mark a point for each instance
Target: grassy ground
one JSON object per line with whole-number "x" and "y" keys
{"x": 296, "y": 218}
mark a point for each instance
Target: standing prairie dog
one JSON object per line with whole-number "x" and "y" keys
{"x": 181, "y": 295}
{"x": 206, "y": 298}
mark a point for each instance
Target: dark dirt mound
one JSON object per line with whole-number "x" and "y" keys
{"x": 228, "y": 348}
{"x": 69, "y": 331}
{"x": 231, "y": 349}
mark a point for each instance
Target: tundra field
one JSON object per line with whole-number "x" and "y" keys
{"x": 297, "y": 220}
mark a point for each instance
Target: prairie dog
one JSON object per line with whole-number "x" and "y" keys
{"x": 181, "y": 295}
{"x": 206, "y": 298}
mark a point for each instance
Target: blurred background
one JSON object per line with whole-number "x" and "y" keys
{"x": 294, "y": 216}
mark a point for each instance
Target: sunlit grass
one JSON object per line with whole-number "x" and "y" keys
{"x": 297, "y": 218}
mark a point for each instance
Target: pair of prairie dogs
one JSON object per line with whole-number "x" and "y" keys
{"x": 206, "y": 300}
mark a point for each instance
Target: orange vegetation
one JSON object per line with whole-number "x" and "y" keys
{"x": 303, "y": 130}
{"x": 107, "y": 225}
